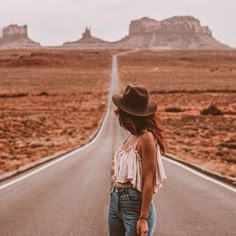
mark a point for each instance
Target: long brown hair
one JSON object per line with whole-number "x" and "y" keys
{"x": 136, "y": 125}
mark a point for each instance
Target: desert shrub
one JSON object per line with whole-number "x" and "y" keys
{"x": 14, "y": 95}
{"x": 211, "y": 110}
{"x": 191, "y": 134}
{"x": 221, "y": 154}
{"x": 33, "y": 60}
{"x": 36, "y": 145}
{"x": 46, "y": 54}
{"x": 43, "y": 94}
{"x": 214, "y": 69}
{"x": 102, "y": 107}
{"x": 173, "y": 109}
{"x": 229, "y": 145}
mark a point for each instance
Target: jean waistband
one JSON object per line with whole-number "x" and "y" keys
{"x": 121, "y": 190}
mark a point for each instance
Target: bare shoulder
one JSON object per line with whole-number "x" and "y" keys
{"x": 147, "y": 139}
{"x": 147, "y": 146}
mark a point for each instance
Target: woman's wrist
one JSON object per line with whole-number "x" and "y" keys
{"x": 143, "y": 217}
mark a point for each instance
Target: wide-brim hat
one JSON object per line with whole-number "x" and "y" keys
{"x": 135, "y": 101}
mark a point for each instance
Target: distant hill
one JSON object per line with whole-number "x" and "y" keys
{"x": 179, "y": 32}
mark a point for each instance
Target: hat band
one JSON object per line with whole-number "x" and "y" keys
{"x": 137, "y": 108}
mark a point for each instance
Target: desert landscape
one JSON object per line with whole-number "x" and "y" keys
{"x": 51, "y": 101}
{"x": 196, "y": 96}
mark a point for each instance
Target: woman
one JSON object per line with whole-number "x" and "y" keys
{"x": 139, "y": 171}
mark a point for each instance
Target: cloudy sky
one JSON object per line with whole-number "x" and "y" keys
{"x": 52, "y": 22}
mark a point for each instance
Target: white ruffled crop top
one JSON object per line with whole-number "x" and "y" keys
{"x": 127, "y": 164}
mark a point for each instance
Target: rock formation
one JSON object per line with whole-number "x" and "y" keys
{"x": 14, "y": 36}
{"x": 87, "y": 41}
{"x": 175, "y": 25}
{"x": 179, "y": 32}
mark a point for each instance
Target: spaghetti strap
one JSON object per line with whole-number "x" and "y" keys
{"x": 144, "y": 131}
{"x": 124, "y": 142}
{"x": 135, "y": 145}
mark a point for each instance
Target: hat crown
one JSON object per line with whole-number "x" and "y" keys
{"x": 135, "y": 101}
{"x": 136, "y": 97}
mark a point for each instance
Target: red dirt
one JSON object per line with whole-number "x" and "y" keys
{"x": 191, "y": 81}
{"x": 50, "y": 101}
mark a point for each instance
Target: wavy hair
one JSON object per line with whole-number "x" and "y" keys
{"x": 136, "y": 125}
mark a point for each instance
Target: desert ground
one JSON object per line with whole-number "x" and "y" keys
{"x": 51, "y": 101}
{"x": 183, "y": 84}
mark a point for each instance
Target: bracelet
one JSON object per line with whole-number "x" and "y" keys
{"x": 143, "y": 217}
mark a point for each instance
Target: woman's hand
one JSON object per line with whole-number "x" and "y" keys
{"x": 142, "y": 227}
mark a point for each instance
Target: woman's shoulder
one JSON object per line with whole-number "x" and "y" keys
{"x": 147, "y": 135}
{"x": 147, "y": 145}
{"x": 147, "y": 138}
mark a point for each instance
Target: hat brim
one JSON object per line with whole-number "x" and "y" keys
{"x": 151, "y": 107}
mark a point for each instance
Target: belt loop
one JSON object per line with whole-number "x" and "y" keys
{"x": 113, "y": 187}
{"x": 126, "y": 191}
{"x": 118, "y": 202}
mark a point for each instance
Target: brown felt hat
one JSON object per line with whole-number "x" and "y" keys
{"x": 135, "y": 101}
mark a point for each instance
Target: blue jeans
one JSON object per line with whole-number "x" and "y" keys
{"x": 124, "y": 211}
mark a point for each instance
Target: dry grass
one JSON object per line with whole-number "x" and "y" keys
{"x": 50, "y": 100}
{"x": 191, "y": 81}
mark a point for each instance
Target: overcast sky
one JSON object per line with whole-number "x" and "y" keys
{"x": 52, "y": 22}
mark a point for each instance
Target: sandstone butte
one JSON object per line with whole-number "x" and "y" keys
{"x": 175, "y": 33}
{"x": 14, "y": 36}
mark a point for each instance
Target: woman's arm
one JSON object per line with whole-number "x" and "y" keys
{"x": 149, "y": 162}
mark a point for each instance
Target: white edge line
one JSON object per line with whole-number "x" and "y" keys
{"x": 59, "y": 158}
{"x": 200, "y": 174}
{"x": 95, "y": 139}
{"x": 79, "y": 149}
{"x": 72, "y": 152}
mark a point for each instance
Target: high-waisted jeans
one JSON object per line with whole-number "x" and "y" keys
{"x": 124, "y": 211}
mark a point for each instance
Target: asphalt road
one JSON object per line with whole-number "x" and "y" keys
{"x": 70, "y": 197}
